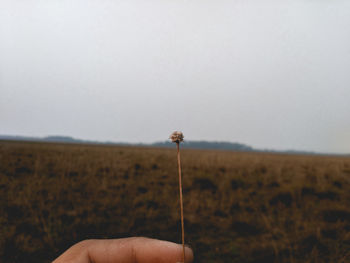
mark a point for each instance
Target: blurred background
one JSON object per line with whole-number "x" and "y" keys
{"x": 90, "y": 91}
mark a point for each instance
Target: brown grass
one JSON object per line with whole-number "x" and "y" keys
{"x": 239, "y": 207}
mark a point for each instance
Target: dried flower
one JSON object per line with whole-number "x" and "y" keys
{"x": 176, "y": 136}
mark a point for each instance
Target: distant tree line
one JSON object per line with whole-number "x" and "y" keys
{"x": 209, "y": 145}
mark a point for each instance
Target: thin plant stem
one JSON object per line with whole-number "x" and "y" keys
{"x": 181, "y": 202}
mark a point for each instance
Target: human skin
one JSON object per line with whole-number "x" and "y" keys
{"x": 125, "y": 250}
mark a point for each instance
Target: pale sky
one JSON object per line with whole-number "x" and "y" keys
{"x": 269, "y": 73}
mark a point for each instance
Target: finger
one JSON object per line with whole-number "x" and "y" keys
{"x": 126, "y": 250}
{"x": 137, "y": 250}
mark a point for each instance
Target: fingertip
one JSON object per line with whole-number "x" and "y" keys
{"x": 164, "y": 250}
{"x": 188, "y": 254}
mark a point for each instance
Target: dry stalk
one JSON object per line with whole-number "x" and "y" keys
{"x": 177, "y": 137}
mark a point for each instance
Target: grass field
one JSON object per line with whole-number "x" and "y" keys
{"x": 239, "y": 207}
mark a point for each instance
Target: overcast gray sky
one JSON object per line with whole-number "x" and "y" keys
{"x": 268, "y": 73}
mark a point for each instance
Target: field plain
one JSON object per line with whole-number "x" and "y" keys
{"x": 239, "y": 207}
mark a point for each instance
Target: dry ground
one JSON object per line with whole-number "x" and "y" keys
{"x": 239, "y": 207}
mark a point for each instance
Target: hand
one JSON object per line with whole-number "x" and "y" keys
{"x": 125, "y": 250}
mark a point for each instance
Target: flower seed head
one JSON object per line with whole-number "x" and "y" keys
{"x": 176, "y": 136}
